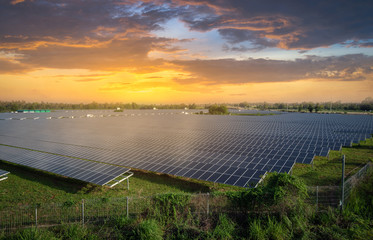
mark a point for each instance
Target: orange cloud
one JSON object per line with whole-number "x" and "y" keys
{"x": 14, "y": 2}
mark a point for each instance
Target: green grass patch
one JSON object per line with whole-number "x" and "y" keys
{"x": 328, "y": 171}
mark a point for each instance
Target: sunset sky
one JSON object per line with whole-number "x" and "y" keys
{"x": 186, "y": 51}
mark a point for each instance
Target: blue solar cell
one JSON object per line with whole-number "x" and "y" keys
{"x": 222, "y": 169}
{"x": 206, "y": 176}
{"x": 214, "y": 177}
{"x": 232, "y": 180}
{"x": 223, "y": 178}
{"x": 231, "y": 170}
{"x": 197, "y": 174}
{"x": 242, "y": 182}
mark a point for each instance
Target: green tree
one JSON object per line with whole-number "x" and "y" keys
{"x": 310, "y": 107}
{"x": 218, "y": 110}
{"x": 367, "y": 104}
{"x": 318, "y": 107}
{"x": 300, "y": 107}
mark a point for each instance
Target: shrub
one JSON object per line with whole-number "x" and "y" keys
{"x": 149, "y": 229}
{"x": 168, "y": 206}
{"x": 218, "y": 110}
{"x": 281, "y": 192}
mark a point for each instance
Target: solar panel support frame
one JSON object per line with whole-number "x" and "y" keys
{"x": 261, "y": 180}
{"x": 121, "y": 180}
{"x": 1, "y": 179}
{"x": 3, "y": 176}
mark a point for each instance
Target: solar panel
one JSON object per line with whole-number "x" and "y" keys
{"x": 87, "y": 171}
{"x": 197, "y": 146}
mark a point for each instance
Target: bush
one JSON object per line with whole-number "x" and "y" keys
{"x": 281, "y": 192}
{"x": 149, "y": 229}
{"x": 168, "y": 206}
{"x": 218, "y": 110}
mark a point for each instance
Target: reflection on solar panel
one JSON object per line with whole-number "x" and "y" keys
{"x": 235, "y": 150}
{"x": 87, "y": 171}
{"x": 2, "y": 174}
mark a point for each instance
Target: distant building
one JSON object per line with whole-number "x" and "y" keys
{"x": 33, "y": 111}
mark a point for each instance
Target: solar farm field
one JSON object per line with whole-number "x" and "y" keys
{"x": 97, "y": 146}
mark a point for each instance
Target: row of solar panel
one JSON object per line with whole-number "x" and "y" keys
{"x": 88, "y": 171}
{"x": 126, "y": 159}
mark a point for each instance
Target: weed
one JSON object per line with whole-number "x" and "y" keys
{"x": 256, "y": 230}
{"x": 224, "y": 229}
{"x": 34, "y": 234}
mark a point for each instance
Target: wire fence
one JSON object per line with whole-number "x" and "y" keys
{"x": 101, "y": 209}
{"x": 351, "y": 182}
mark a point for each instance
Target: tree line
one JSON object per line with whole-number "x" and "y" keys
{"x": 7, "y": 106}
{"x": 365, "y": 105}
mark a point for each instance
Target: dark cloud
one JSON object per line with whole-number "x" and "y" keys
{"x": 77, "y": 21}
{"x": 230, "y": 71}
{"x": 298, "y": 24}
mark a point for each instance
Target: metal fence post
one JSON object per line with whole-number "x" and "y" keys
{"x": 317, "y": 197}
{"x": 208, "y": 203}
{"x": 128, "y": 184}
{"x": 343, "y": 182}
{"x": 36, "y": 215}
{"x": 127, "y": 207}
{"x": 83, "y": 212}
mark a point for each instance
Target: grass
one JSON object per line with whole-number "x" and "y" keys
{"x": 26, "y": 186}
{"x": 328, "y": 171}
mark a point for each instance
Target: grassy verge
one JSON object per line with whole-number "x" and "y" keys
{"x": 328, "y": 171}
{"x": 26, "y": 186}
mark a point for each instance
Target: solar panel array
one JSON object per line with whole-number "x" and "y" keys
{"x": 234, "y": 150}
{"x": 87, "y": 171}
